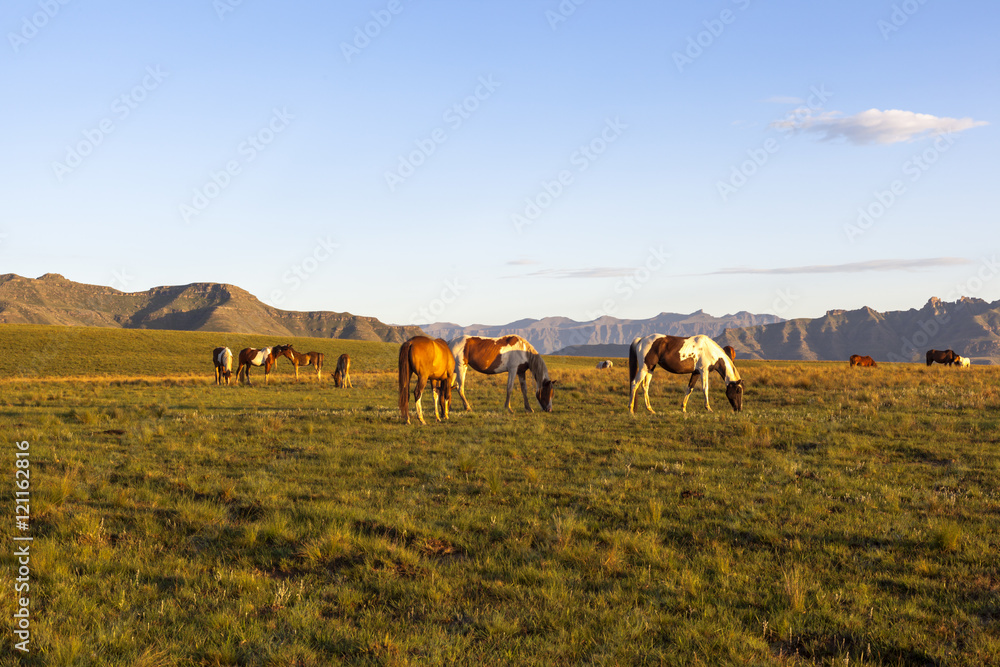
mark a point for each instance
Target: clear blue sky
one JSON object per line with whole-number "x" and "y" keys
{"x": 491, "y": 161}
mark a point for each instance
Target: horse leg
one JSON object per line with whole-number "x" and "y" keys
{"x": 435, "y": 393}
{"x": 704, "y": 386}
{"x": 460, "y": 380}
{"x": 524, "y": 388}
{"x": 510, "y": 390}
{"x": 445, "y": 396}
{"x": 418, "y": 393}
{"x": 645, "y": 392}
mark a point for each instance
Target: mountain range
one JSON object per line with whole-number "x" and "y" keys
{"x": 52, "y": 299}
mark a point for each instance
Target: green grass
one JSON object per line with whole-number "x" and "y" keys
{"x": 845, "y": 517}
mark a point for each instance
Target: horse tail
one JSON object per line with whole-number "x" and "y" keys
{"x": 633, "y": 361}
{"x": 404, "y": 378}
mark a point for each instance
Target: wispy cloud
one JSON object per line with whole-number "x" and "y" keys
{"x": 592, "y": 272}
{"x": 522, "y": 262}
{"x": 854, "y": 267}
{"x": 874, "y": 126}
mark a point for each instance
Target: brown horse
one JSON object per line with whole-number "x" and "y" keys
{"x": 512, "y": 355}
{"x": 730, "y": 352}
{"x": 222, "y": 357}
{"x": 308, "y": 359}
{"x": 267, "y": 358}
{"x": 342, "y": 376}
{"x": 696, "y": 355}
{"x": 946, "y": 357}
{"x": 432, "y": 361}
{"x": 864, "y": 362}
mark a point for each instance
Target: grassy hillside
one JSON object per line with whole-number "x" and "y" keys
{"x": 845, "y": 517}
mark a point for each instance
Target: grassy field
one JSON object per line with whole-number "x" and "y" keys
{"x": 846, "y": 517}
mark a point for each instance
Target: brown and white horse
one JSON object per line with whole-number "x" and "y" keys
{"x": 250, "y": 356}
{"x": 946, "y": 357}
{"x": 431, "y": 360}
{"x": 696, "y": 355}
{"x": 508, "y": 354}
{"x": 342, "y": 376}
{"x": 605, "y": 365}
{"x": 222, "y": 357}
{"x": 299, "y": 359}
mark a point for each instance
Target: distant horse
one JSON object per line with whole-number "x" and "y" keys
{"x": 512, "y": 355}
{"x": 342, "y": 376}
{"x": 866, "y": 361}
{"x": 308, "y": 359}
{"x": 964, "y": 362}
{"x": 730, "y": 352}
{"x": 250, "y": 356}
{"x": 222, "y": 357}
{"x": 696, "y": 355}
{"x": 946, "y": 357}
{"x": 604, "y": 365}
{"x": 433, "y": 362}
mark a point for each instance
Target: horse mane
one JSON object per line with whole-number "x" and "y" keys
{"x": 537, "y": 366}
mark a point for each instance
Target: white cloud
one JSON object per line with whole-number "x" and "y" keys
{"x": 874, "y": 126}
{"x": 593, "y": 272}
{"x": 854, "y": 267}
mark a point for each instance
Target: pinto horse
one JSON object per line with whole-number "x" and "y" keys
{"x": 963, "y": 362}
{"x": 432, "y": 361}
{"x": 696, "y": 355}
{"x": 267, "y": 358}
{"x": 864, "y": 362}
{"x": 508, "y": 354}
{"x": 299, "y": 359}
{"x": 222, "y": 357}
{"x": 605, "y": 365}
{"x": 946, "y": 357}
{"x": 342, "y": 376}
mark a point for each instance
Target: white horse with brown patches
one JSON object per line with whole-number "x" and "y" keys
{"x": 508, "y": 354}
{"x": 696, "y": 355}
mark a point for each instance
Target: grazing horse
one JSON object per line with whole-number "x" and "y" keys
{"x": 696, "y": 355}
{"x": 508, "y": 354}
{"x": 308, "y": 359}
{"x": 432, "y": 361}
{"x": 963, "y": 362}
{"x": 222, "y": 357}
{"x": 864, "y": 362}
{"x": 604, "y": 365}
{"x": 342, "y": 376}
{"x": 946, "y": 357}
{"x": 730, "y": 352}
{"x": 267, "y": 358}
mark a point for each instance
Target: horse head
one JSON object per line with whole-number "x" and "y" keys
{"x": 734, "y": 392}
{"x": 544, "y": 394}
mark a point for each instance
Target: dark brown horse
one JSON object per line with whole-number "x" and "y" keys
{"x": 696, "y": 355}
{"x": 250, "y": 356}
{"x": 432, "y": 361}
{"x": 730, "y": 352}
{"x": 308, "y": 359}
{"x": 342, "y": 376}
{"x": 946, "y": 357}
{"x": 864, "y": 362}
{"x": 222, "y": 357}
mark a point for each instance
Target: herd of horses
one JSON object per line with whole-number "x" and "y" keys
{"x": 445, "y": 365}
{"x": 222, "y": 358}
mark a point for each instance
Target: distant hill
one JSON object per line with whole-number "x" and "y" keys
{"x": 557, "y": 333}
{"x": 971, "y": 327}
{"x": 606, "y": 351}
{"x": 52, "y": 299}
